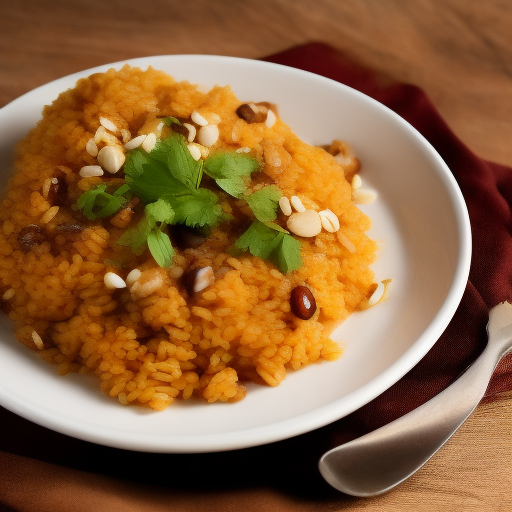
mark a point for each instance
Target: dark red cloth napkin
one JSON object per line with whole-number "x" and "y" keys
{"x": 29, "y": 453}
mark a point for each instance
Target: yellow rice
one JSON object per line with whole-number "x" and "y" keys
{"x": 154, "y": 344}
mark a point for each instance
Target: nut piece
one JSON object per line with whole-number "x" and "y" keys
{"x": 250, "y": 113}
{"x": 361, "y": 196}
{"x": 356, "y": 182}
{"x": 146, "y": 284}
{"x": 133, "y": 276}
{"x": 329, "y": 221}
{"x": 111, "y": 158}
{"x": 194, "y": 151}
{"x": 198, "y": 279}
{"x": 208, "y": 135}
{"x": 198, "y": 118}
{"x": 91, "y": 147}
{"x": 297, "y": 204}
{"x": 284, "y": 204}
{"x": 306, "y": 224}
{"x": 302, "y": 302}
{"x": 135, "y": 142}
{"x": 88, "y": 171}
{"x": 113, "y": 281}
{"x": 108, "y": 124}
{"x": 271, "y": 119}
{"x": 191, "y": 131}
{"x": 125, "y": 135}
{"x": 149, "y": 142}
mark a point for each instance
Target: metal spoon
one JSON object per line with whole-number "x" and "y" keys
{"x": 382, "y": 459}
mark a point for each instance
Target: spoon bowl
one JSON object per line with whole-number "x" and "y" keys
{"x": 377, "y": 462}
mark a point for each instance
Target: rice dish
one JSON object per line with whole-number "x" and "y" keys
{"x": 180, "y": 244}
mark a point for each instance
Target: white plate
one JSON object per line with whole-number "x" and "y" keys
{"x": 420, "y": 216}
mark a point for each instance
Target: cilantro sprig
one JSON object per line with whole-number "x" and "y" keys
{"x": 97, "y": 203}
{"x": 264, "y": 202}
{"x": 231, "y": 171}
{"x": 150, "y": 232}
{"x": 169, "y": 172}
{"x": 270, "y": 242}
{"x": 168, "y": 182}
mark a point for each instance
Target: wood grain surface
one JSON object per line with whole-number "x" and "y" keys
{"x": 458, "y": 51}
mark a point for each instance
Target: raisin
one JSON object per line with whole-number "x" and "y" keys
{"x": 29, "y": 236}
{"x": 58, "y": 191}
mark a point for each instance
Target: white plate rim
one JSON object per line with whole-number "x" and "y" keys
{"x": 319, "y": 417}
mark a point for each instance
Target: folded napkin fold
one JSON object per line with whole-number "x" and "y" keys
{"x": 27, "y": 450}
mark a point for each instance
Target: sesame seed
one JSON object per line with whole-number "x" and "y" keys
{"x": 108, "y": 124}
{"x": 271, "y": 119}
{"x": 100, "y": 132}
{"x": 376, "y": 295}
{"x": 364, "y": 196}
{"x": 356, "y": 182}
{"x": 329, "y": 220}
{"x": 135, "y": 142}
{"x": 191, "y": 131}
{"x": 297, "y": 204}
{"x": 198, "y": 118}
{"x": 113, "y": 281}
{"x": 284, "y": 204}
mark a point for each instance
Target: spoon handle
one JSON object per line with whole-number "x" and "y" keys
{"x": 380, "y": 460}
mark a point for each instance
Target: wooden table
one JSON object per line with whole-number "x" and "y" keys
{"x": 458, "y": 51}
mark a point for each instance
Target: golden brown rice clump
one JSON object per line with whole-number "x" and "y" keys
{"x": 152, "y": 343}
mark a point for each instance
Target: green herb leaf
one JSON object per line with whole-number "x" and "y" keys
{"x": 149, "y": 231}
{"x": 276, "y": 227}
{"x": 258, "y": 239}
{"x": 264, "y": 202}
{"x": 160, "y": 247}
{"x": 273, "y": 245}
{"x": 168, "y": 170}
{"x": 136, "y": 237}
{"x": 159, "y": 211}
{"x": 170, "y": 173}
{"x": 287, "y": 256}
{"x": 97, "y": 203}
{"x": 233, "y": 186}
{"x": 231, "y": 170}
{"x": 170, "y": 120}
{"x": 225, "y": 164}
{"x": 198, "y": 208}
